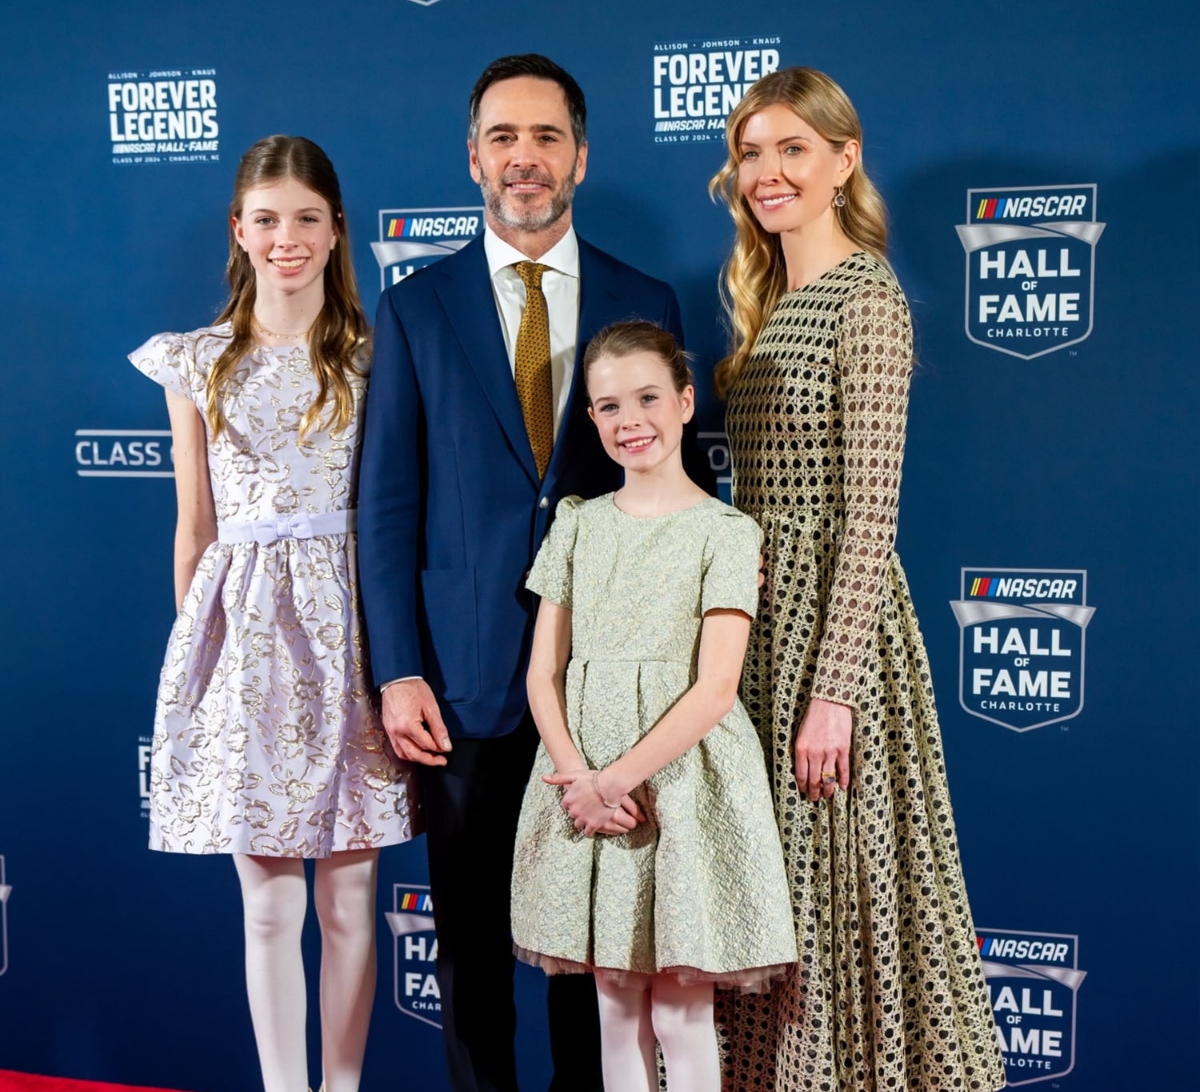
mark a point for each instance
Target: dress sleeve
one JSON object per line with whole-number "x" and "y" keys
{"x": 553, "y": 568}
{"x": 874, "y": 359}
{"x": 731, "y": 557}
{"x": 170, "y": 360}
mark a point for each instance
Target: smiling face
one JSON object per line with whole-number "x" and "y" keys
{"x": 288, "y": 232}
{"x": 637, "y": 410}
{"x": 788, "y": 173}
{"x": 524, "y": 156}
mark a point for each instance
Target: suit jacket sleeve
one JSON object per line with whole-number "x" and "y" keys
{"x": 389, "y": 502}
{"x": 695, "y": 459}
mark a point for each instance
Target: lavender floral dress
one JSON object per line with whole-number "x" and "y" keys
{"x": 265, "y": 738}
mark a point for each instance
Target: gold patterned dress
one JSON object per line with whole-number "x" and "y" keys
{"x": 889, "y": 993}
{"x": 265, "y": 738}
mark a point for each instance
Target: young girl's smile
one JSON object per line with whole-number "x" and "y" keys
{"x": 637, "y": 410}
{"x": 288, "y": 232}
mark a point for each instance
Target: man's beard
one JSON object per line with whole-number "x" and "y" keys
{"x": 527, "y": 219}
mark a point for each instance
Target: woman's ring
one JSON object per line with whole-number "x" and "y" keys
{"x": 828, "y": 775}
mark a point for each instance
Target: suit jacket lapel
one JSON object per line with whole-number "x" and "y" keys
{"x": 466, "y": 295}
{"x": 598, "y": 299}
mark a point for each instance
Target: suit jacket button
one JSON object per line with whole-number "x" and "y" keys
{"x": 544, "y": 502}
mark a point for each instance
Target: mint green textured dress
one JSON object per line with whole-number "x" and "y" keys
{"x": 699, "y": 888}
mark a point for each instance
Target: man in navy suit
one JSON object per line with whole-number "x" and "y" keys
{"x": 453, "y": 504}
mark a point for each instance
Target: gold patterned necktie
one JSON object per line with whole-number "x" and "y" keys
{"x": 531, "y": 366}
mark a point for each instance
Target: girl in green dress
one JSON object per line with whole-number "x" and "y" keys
{"x": 647, "y": 851}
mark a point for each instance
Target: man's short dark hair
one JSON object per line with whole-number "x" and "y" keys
{"x": 542, "y": 68}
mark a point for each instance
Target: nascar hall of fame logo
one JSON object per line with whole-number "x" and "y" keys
{"x": 5, "y": 891}
{"x": 416, "y": 991}
{"x": 410, "y": 239}
{"x": 123, "y": 453}
{"x": 1030, "y": 267}
{"x": 697, "y": 83}
{"x": 1021, "y": 640}
{"x": 165, "y": 116}
{"x": 1033, "y": 980}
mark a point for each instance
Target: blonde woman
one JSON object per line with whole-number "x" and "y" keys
{"x": 266, "y": 745}
{"x": 889, "y": 991}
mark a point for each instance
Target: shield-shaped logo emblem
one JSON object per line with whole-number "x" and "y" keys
{"x": 410, "y": 239}
{"x": 415, "y": 991}
{"x": 1021, "y": 645}
{"x": 1033, "y": 980}
{"x": 5, "y": 891}
{"x": 1030, "y": 267}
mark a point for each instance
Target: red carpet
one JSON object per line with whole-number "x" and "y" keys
{"x": 26, "y": 1082}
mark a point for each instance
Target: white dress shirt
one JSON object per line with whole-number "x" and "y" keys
{"x": 560, "y": 286}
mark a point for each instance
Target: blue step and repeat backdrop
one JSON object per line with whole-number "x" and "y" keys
{"x": 1039, "y": 160}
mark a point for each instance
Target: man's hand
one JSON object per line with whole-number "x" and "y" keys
{"x": 414, "y": 724}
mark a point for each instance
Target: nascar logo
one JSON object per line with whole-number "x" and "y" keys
{"x": 414, "y": 900}
{"x": 1043, "y": 588}
{"x": 1033, "y": 980}
{"x": 1030, "y": 267}
{"x": 1055, "y": 204}
{"x": 419, "y": 227}
{"x": 415, "y": 987}
{"x": 1021, "y": 645}
{"x": 410, "y": 239}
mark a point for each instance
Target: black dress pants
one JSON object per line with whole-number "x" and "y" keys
{"x": 471, "y": 807}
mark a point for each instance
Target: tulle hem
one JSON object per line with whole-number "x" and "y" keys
{"x": 747, "y": 980}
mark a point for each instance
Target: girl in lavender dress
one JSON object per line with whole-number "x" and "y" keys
{"x": 266, "y": 745}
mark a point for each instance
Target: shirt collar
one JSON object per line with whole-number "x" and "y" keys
{"x": 563, "y": 256}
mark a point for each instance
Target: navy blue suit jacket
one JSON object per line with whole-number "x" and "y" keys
{"x": 451, "y": 510}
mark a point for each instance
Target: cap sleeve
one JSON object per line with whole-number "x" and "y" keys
{"x": 731, "y": 562}
{"x": 552, "y": 572}
{"x": 170, "y": 360}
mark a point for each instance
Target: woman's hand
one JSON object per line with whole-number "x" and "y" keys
{"x": 584, "y": 805}
{"x": 823, "y": 749}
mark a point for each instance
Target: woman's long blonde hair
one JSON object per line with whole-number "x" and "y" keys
{"x": 754, "y": 276}
{"x": 339, "y": 333}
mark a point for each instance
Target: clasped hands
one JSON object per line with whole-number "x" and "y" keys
{"x": 584, "y": 795}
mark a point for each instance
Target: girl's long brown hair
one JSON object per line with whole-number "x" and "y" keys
{"x": 754, "y": 277}
{"x": 339, "y": 333}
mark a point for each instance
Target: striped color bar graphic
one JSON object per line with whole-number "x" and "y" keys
{"x": 984, "y": 585}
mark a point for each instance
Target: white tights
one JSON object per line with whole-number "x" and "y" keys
{"x": 681, "y": 1019}
{"x": 275, "y": 899}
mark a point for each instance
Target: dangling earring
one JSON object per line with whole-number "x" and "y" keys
{"x": 839, "y": 199}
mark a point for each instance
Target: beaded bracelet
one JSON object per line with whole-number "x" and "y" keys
{"x": 596, "y": 786}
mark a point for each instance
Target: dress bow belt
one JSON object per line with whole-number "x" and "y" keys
{"x": 304, "y": 525}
